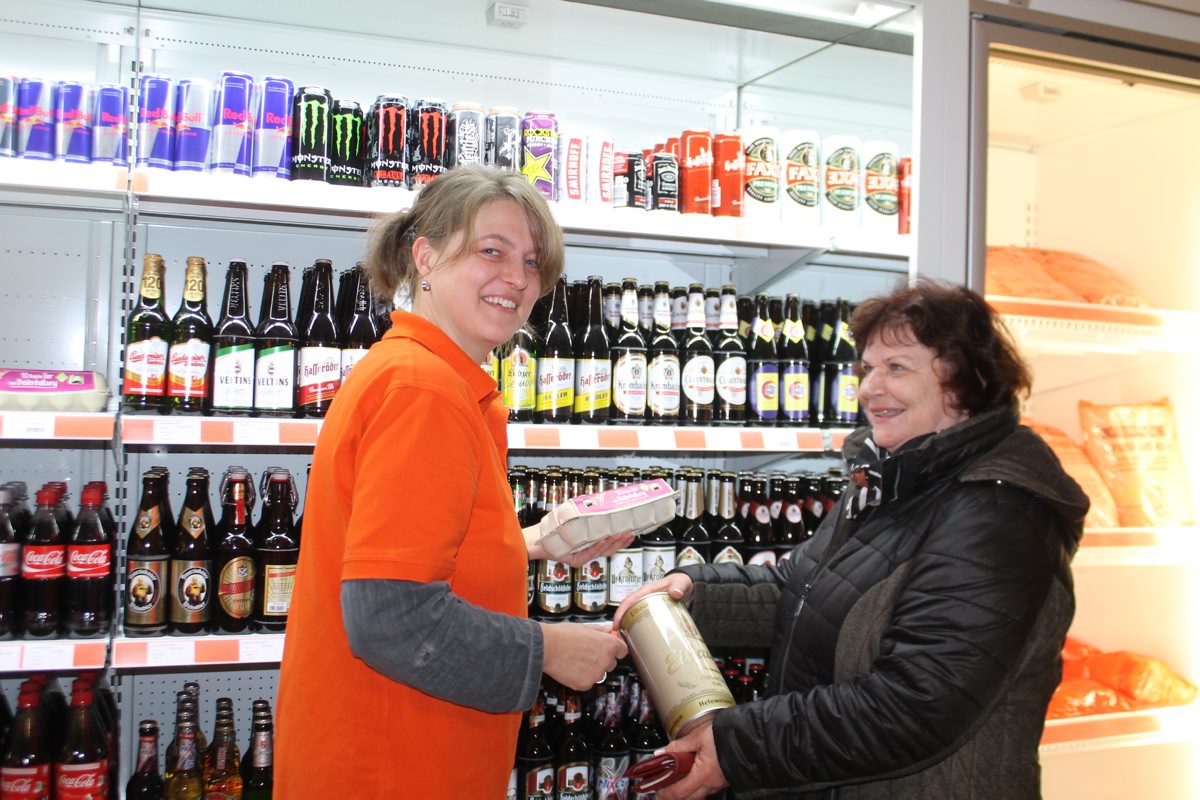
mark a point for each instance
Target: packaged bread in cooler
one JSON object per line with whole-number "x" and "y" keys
{"x": 1087, "y": 277}
{"x": 1077, "y": 697}
{"x": 1017, "y": 272}
{"x": 1136, "y": 450}
{"x": 581, "y": 520}
{"x": 1103, "y": 510}
{"x": 1148, "y": 681}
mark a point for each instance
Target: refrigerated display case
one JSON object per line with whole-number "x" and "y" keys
{"x": 1082, "y": 146}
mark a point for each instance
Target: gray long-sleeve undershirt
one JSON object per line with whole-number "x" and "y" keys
{"x": 423, "y": 635}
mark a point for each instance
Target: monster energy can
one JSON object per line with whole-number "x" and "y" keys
{"x": 464, "y": 143}
{"x": 346, "y": 146}
{"x": 387, "y": 141}
{"x": 310, "y": 133}
{"x": 502, "y": 148}
{"x": 426, "y": 141}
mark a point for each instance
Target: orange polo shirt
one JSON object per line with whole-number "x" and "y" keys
{"x": 408, "y": 482}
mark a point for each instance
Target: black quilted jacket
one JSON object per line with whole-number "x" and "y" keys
{"x": 914, "y": 649}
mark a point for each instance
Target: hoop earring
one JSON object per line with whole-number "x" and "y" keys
{"x": 424, "y": 286}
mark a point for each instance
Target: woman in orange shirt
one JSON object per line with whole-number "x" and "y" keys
{"x": 409, "y": 657}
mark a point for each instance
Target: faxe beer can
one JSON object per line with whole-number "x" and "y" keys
{"x": 311, "y": 108}
{"x": 502, "y": 149}
{"x": 695, "y": 172}
{"x": 73, "y": 122}
{"x": 664, "y": 187}
{"x": 193, "y": 124}
{"x": 110, "y": 126}
{"x": 637, "y": 192}
{"x": 464, "y": 135}
{"x": 35, "y": 119}
{"x": 572, "y": 169}
{"x": 347, "y": 145}
{"x": 539, "y": 146}
{"x": 729, "y": 174}
{"x": 9, "y": 84}
{"x": 271, "y": 155}
{"x": 677, "y": 670}
{"x": 426, "y": 141}
{"x": 156, "y": 122}
{"x": 387, "y": 141}
{"x": 233, "y": 125}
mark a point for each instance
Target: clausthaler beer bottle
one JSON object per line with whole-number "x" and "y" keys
{"x": 729, "y": 356}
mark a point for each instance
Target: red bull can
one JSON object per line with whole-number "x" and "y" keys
{"x": 110, "y": 126}
{"x": 539, "y": 148}
{"x": 73, "y": 122}
{"x": 271, "y": 152}
{"x": 9, "y": 84}
{"x": 193, "y": 125}
{"x": 387, "y": 141}
{"x": 156, "y": 122}
{"x": 35, "y": 119}
{"x": 233, "y": 125}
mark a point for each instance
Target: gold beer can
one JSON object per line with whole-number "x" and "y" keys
{"x": 674, "y": 663}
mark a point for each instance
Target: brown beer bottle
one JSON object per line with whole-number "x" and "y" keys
{"x": 319, "y": 365}
{"x": 628, "y": 352}
{"x": 147, "y": 338}
{"x": 278, "y": 550}
{"x": 555, "y": 398}
{"x": 535, "y": 759}
{"x": 222, "y": 764}
{"x": 146, "y": 783}
{"x": 275, "y": 349}
{"x": 662, "y": 369}
{"x": 147, "y": 564}
{"x": 593, "y": 367}
{"x": 235, "y": 569}
{"x": 358, "y": 325}
{"x": 191, "y": 560}
{"x": 191, "y": 343}
{"x": 696, "y": 354}
{"x": 231, "y": 370}
{"x": 729, "y": 357}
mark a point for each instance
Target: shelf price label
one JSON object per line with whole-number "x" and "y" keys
{"x": 28, "y": 425}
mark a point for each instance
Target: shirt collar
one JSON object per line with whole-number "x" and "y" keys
{"x": 406, "y": 325}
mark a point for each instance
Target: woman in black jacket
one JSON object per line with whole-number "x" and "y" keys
{"x": 915, "y": 639}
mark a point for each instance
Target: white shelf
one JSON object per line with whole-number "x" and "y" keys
{"x": 1082, "y": 328}
{"x": 1125, "y": 729}
{"x": 52, "y": 655}
{"x": 1127, "y": 547}
{"x": 57, "y": 425}
{"x": 190, "y": 651}
{"x": 146, "y": 429}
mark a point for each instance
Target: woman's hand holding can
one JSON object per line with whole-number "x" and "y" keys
{"x": 677, "y": 585}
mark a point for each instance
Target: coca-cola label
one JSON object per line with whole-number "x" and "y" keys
{"x": 235, "y": 587}
{"x": 43, "y": 562}
{"x": 320, "y": 374}
{"x": 274, "y": 375}
{"x": 144, "y": 584}
{"x": 10, "y": 560}
{"x": 191, "y": 584}
{"x": 629, "y": 383}
{"x": 233, "y": 377}
{"x": 146, "y": 368}
{"x": 25, "y": 783}
{"x": 279, "y": 580}
{"x": 555, "y": 383}
{"x": 593, "y": 384}
{"x": 89, "y": 561}
{"x": 187, "y": 369}
{"x": 87, "y": 781}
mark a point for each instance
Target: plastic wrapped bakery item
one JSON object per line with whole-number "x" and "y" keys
{"x": 1077, "y": 697}
{"x": 1074, "y": 656}
{"x": 1017, "y": 272}
{"x": 1103, "y": 510}
{"x": 581, "y": 520}
{"x": 1148, "y": 681}
{"x": 1136, "y": 450}
{"x": 1091, "y": 279}
{"x": 52, "y": 390}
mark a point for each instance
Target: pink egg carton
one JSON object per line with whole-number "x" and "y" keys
{"x": 587, "y": 518}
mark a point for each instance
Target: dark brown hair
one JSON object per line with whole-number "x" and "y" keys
{"x": 983, "y": 369}
{"x": 450, "y": 205}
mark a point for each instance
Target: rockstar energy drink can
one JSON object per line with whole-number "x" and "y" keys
{"x": 426, "y": 142}
{"x": 676, "y": 668}
{"x": 387, "y": 141}
{"x": 310, "y": 133}
{"x": 347, "y": 144}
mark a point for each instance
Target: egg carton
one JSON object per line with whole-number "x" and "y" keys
{"x": 587, "y": 518}
{"x": 52, "y": 390}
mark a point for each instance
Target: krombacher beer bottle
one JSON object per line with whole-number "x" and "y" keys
{"x": 662, "y": 371}
{"x": 729, "y": 356}
{"x": 593, "y": 369}
{"x": 191, "y": 560}
{"x": 231, "y": 385}
{"x": 628, "y": 353}
{"x": 235, "y": 570}
{"x": 147, "y": 339}
{"x": 555, "y": 401}
{"x": 319, "y": 362}
{"x": 278, "y": 550}
{"x": 699, "y": 378}
{"x": 147, "y": 564}
{"x": 191, "y": 343}
{"x": 275, "y": 349}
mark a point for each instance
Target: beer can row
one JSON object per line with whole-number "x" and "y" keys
{"x": 693, "y": 173}
{"x": 63, "y": 120}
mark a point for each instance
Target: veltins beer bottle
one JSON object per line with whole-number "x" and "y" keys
{"x": 147, "y": 337}
{"x": 231, "y": 385}
{"x": 191, "y": 343}
{"x": 358, "y": 325}
{"x": 275, "y": 349}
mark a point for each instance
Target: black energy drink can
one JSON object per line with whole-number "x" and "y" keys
{"x": 347, "y": 144}
{"x": 465, "y": 132}
{"x": 311, "y": 110}
{"x": 502, "y": 148}
{"x": 387, "y": 141}
{"x": 426, "y": 141}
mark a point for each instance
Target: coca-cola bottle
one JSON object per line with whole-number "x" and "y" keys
{"x": 146, "y": 783}
{"x": 81, "y": 770}
{"x": 25, "y": 768}
{"x": 43, "y": 569}
{"x": 10, "y": 566}
{"x": 89, "y": 570}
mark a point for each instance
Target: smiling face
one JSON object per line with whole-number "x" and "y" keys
{"x": 901, "y": 390}
{"x": 481, "y": 297}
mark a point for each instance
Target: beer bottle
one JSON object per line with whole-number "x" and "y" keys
{"x": 147, "y": 339}
{"x": 43, "y": 569}
{"x": 26, "y": 759}
{"x": 146, "y": 783}
{"x": 319, "y": 362}
{"x": 819, "y": 352}
{"x": 759, "y": 532}
{"x": 647, "y": 739}
{"x": 793, "y": 366}
{"x": 763, "y": 383}
{"x": 658, "y": 547}
{"x": 791, "y": 532}
{"x": 186, "y": 781}
{"x": 518, "y": 375}
{"x": 275, "y": 349}
{"x": 612, "y": 309}
{"x": 712, "y": 312}
{"x": 729, "y": 356}
{"x": 775, "y": 313}
{"x": 625, "y": 567}
{"x": 645, "y": 305}
{"x": 593, "y": 368}
{"x": 573, "y": 764}
{"x": 840, "y": 404}
{"x": 234, "y": 562}
{"x": 679, "y": 312}
{"x": 535, "y": 760}
{"x": 359, "y": 327}
{"x": 10, "y": 566}
{"x": 662, "y": 370}
{"x": 89, "y": 571}
{"x": 745, "y": 315}
{"x": 590, "y": 596}
{"x": 191, "y": 560}
{"x": 191, "y": 343}
{"x": 554, "y": 577}
{"x": 171, "y": 757}
{"x": 694, "y": 542}
{"x": 260, "y": 778}
{"x": 222, "y": 764}
{"x": 278, "y": 550}
{"x": 555, "y": 401}
{"x": 147, "y": 565}
{"x": 628, "y": 353}
{"x": 610, "y": 757}
{"x": 81, "y": 769}
{"x": 696, "y": 354}
{"x": 728, "y": 543}
{"x": 231, "y": 378}
{"x": 812, "y": 509}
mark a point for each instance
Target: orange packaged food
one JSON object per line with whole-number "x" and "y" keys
{"x": 1015, "y": 272}
{"x": 1148, "y": 681}
{"x": 1103, "y": 510}
{"x": 1077, "y": 697}
{"x": 1085, "y": 276}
